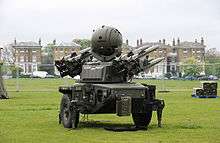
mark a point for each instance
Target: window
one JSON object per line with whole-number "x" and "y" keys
{"x": 34, "y": 58}
{"x": 198, "y": 51}
{"x": 169, "y": 59}
{"x": 185, "y": 51}
{"x": 21, "y": 58}
{"x": 173, "y": 68}
{"x": 34, "y": 68}
{"x": 174, "y": 59}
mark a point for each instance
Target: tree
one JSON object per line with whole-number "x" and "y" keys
{"x": 3, "y": 93}
{"x": 8, "y": 54}
{"x": 47, "y": 59}
{"x": 15, "y": 70}
{"x": 192, "y": 67}
{"x": 212, "y": 66}
{"x": 48, "y": 54}
{"x": 84, "y": 43}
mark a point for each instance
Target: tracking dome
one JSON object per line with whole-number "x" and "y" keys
{"x": 106, "y": 43}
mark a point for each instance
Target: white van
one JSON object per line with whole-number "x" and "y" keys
{"x": 40, "y": 74}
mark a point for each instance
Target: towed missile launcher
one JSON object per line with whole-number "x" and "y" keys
{"x": 105, "y": 84}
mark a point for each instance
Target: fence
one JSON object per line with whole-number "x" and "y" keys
{"x": 175, "y": 80}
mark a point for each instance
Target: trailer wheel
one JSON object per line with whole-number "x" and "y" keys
{"x": 69, "y": 116}
{"x": 142, "y": 119}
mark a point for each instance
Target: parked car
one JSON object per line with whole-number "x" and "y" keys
{"x": 138, "y": 77}
{"x": 39, "y": 74}
{"x": 49, "y": 76}
{"x": 6, "y": 76}
{"x": 203, "y": 78}
{"x": 190, "y": 77}
{"x": 148, "y": 77}
{"x": 212, "y": 77}
{"x": 174, "y": 77}
{"x": 161, "y": 77}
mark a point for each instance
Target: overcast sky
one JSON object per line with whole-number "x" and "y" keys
{"x": 151, "y": 20}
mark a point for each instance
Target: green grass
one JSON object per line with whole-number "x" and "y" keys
{"x": 32, "y": 116}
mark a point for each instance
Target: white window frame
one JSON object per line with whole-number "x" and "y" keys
{"x": 21, "y": 58}
{"x": 34, "y": 58}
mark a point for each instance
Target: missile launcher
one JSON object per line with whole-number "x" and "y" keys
{"x": 105, "y": 84}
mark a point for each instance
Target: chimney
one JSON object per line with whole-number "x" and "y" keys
{"x": 174, "y": 44}
{"x": 178, "y": 41}
{"x": 15, "y": 42}
{"x": 202, "y": 41}
{"x": 141, "y": 41}
{"x": 164, "y": 41}
{"x": 195, "y": 40}
{"x": 137, "y": 42}
{"x": 54, "y": 42}
{"x": 159, "y": 41}
{"x": 39, "y": 41}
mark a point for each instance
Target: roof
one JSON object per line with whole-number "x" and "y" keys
{"x": 27, "y": 44}
{"x": 190, "y": 45}
{"x": 161, "y": 45}
{"x": 183, "y": 45}
{"x": 68, "y": 44}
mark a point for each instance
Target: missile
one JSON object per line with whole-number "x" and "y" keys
{"x": 123, "y": 57}
{"x": 85, "y": 50}
{"x": 142, "y": 48}
{"x": 82, "y": 54}
{"x": 154, "y": 62}
{"x": 151, "y": 49}
{"x": 145, "y": 52}
{"x": 149, "y": 60}
{"x": 67, "y": 57}
{"x": 134, "y": 52}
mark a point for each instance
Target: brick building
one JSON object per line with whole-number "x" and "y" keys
{"x": 27, "y": 55}
{"x": 175, "y": 55}
{"x": 63, "y": 49}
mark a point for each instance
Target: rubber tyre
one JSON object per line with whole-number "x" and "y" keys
{"x": 69, "y": 117}
{"x": 142, "y": 119}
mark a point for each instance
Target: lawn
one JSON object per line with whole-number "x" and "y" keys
{"x": 31, "y": 115}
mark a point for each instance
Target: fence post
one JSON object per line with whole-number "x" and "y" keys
{"x": 17, "y": 79}
{"x": 164, "y": 89}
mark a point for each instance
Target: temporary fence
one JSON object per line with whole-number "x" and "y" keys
{"x": 165, "y": 77}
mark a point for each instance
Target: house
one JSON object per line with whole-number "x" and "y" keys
{"x": 175, "y": 55}
{"x": 63, "y": 49}
{"x": 27, "y": 55}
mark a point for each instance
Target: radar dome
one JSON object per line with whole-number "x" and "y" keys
{"x": 106, "y": 43}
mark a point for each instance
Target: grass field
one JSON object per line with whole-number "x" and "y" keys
{"x": 31, "y": 116}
